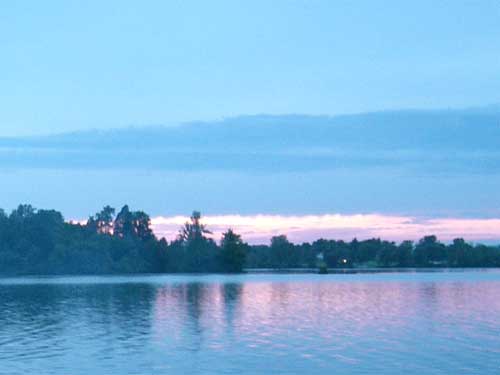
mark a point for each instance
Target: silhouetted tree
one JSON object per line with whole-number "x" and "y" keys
{"x": 199, "y": 251}
{"x": 232, "y": 252}
{"x": 22, "y": 212}
{"x": 102, "y": 222}
{"x": 193, "y": 230}
{"x": 281, "y": 252}
{"x": 123, "y": 225}
{"x": 141, "y": 224}
{"x": 430, "y": 252}
{"x": 405, "y": 254}
{"x": 387, "y": 255}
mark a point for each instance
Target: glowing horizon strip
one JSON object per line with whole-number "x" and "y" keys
{"x": 260, "y": 228}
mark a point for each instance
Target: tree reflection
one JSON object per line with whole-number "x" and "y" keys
{"x": 231, "y": 296}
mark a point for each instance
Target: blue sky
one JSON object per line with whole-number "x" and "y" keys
{"x": 84, "y": 65}
{"x": 69, "y": 65}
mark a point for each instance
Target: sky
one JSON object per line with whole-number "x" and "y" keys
{"x": 73, "y": 65}
{"x": 258, "y": 229}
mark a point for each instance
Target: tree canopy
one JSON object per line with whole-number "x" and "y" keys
{"x": 41, "y": 242}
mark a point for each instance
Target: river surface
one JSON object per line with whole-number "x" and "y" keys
{"x": 445, "y": 322}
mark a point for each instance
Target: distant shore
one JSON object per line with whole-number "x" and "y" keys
{"x": 41, "y": 242}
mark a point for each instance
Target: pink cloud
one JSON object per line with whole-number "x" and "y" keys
{"x": 260, "y": 228}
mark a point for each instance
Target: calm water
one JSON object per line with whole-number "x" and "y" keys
{"x": 419, "y": 323}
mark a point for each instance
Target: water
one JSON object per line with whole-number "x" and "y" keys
{"x": 388, "y": 323}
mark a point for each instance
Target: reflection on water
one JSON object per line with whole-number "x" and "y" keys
{"x": 428, "y": 323}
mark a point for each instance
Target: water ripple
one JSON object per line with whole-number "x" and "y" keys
{"x": 291, "y": 324}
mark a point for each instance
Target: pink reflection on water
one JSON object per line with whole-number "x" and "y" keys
{"x": 337, "y": 314}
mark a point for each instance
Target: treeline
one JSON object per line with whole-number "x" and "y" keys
{"x": 41, "y": 242}
{"x": 428, "y": 252}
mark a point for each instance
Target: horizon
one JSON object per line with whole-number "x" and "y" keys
{"x": 260, "y": 228}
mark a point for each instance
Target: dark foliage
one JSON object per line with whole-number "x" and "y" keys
{"x": 428, "y": 252}
{"x": 41, "y": 242}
